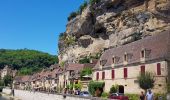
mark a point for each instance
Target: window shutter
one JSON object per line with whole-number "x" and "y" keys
{"x": 97, "y": 76}
{"x": 125, "y": 72}
{"x": 113, "y": 74}
{"x": 103, "y": 75}
{"x": 142, "y": 69}
{"x": 158, "y": 69}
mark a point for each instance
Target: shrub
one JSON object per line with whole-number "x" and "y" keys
{"x": 105, "y": 95}
{"x": 1, "y": 83}
{"x": 67, "y": 86}
{"x": 84, "y": 60}
{"x": 71, "y": 87}
{"x": 133, "y": 96}
{"x": 114, "y": 89}
{"x": 82, "y": 7}
{"x": 146, "y": 80}
{"x": 94, "y": 85}
{"x": 157, "y": 96}
{"x": 70, "y": 40}
{"x": 78, "y": 86}
{"x": 7, "y": 80}
{"x": 72, "y": 15}
{"x": 62, "y": 64}
{"x": 92, "y": 2}
{"x": 168, "y": 87}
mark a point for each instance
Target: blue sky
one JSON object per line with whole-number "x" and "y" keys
{"x": 34, "y": 24}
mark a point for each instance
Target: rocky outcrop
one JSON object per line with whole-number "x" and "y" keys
{"x": 110, "y": 23}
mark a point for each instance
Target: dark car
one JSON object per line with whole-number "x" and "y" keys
{"x": 84, "y": 93}
{"x": 118, "y": 96}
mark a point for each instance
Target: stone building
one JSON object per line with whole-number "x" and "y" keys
{"x": 122, "y": 65}
{"x": 7, "y": 71}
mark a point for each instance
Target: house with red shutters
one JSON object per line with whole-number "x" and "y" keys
{"x": 122, "y": 65}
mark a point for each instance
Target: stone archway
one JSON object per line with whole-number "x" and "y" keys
{"x": 121, "y": 89}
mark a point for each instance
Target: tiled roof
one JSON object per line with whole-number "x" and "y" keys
{"x": 74, "y": 66}
{"x": 159, "y": 46}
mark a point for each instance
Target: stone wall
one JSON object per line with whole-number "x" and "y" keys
{"x": 27, "y": 95}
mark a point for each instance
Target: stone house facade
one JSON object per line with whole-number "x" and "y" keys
{"x": 122, "y": 65}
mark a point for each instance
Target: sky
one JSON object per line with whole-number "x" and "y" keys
{"x": 34, "y": 24}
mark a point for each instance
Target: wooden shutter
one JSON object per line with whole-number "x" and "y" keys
{"x": 125, "y": 73}
{"x": 158, "y": 69}
{"x": 113, "y": 74}
{"x": 97, "y": 76}
{"x": 142, "y": 69}
{"x": 103, "y": 75}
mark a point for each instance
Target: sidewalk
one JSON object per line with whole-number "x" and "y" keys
{"x": 8, "y": 97}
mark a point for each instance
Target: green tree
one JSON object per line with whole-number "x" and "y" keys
{"x": 78, "y": 86}
{"x": 114, "y": 89}
{"x": 146, "y": 80}
{"x": 26, "y": 60}
{"x": 7, "y": 80}
{"x": 86, "y": 71}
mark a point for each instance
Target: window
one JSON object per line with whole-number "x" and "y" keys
{"x": 97, "y": 76}
{"x": 143, "y": 53}
{"x": 125, "y": 57}
{"x": 142, "y": 69}
{"x": 103, "y": 62}
{"x": 103, "y": 75}
{"x": 125, "y": 73}
{"x": 113, "y": 60}
{"x": 158, "y": 69}
{"x": 113, "y": 73}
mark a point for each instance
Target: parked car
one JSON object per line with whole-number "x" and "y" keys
{"x": 118, "y": 96}
{"x": 84, "y": 93}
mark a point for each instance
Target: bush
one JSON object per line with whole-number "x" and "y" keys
{"x": 70, "y": 40}
{"x": 84, "y": 60}
{"x": 168, "y": 87}
{"x": 94, "y": 85}
{"x": 1, "y": 88}
{"x": 78, "y": 86}
{"x": 1, "y": 83}
{"x": 82, "y": 7}
{"x": 105, "y": 95}
{"x": 156, "y": 96}
{"x": 71, "y": 87}
{"x": 92, "y": 2}
{"x": 72, "y": 15}
{"x": 7, "y": 80}
{"x": 133, "y": 96}
{"x": 114, "y": 89}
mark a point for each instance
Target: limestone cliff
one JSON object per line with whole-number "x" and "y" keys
{"x": 111, "y": 23}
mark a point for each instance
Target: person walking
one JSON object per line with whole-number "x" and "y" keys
{"x": 149, "y": 95}
{"x": 142, "y": 96}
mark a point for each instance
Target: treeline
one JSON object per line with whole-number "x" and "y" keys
{"x": 26, "y": 61}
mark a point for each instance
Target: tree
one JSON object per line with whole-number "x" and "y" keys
{"x": 26, "y": 61}
{"x": 78, "y": 86}
{"x": 114, "y": 89}
{"x": 7, "y": 80}
{"x": 146, "y": 80}
{"x": 85, "y": 71}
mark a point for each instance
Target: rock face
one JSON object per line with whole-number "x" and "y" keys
{"x": 111, "y": 23}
